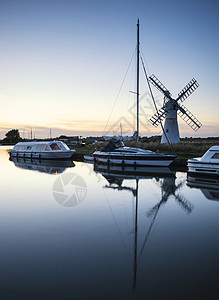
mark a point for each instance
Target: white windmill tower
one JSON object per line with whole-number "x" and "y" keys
{"x": 171, "y": 108}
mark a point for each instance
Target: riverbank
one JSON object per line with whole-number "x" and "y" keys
{"x": 185, "y": 150}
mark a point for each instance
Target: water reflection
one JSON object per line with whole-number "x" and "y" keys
{"x": 208, "y": 186}
{"x": 170, "y": 188}
{"x": 165, "y": 180}
{"x": 45, "y": 166}
{"x": 132, "y": 172}
{"x": 140, "y": 235}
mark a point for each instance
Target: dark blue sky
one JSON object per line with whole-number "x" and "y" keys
{"x": 55, "y": 52}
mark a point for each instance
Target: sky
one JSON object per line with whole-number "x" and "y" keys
{"x": 63, "y": 64}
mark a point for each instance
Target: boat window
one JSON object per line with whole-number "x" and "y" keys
{"x": 63, "y": 146}
{"x": 54, "y": 147}
{"x": 119, "y": 144}
{"x": 40, "y": 147}
{"x": 29, "y": 147}
{"x": 216, "y": 155}
{"x": 47, "y": 148}
{"x": 22, "y": 147}
{"x": 126, "y": 151}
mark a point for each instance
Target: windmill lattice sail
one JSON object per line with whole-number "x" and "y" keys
{"x": 188, "y": 90}
{"x": 189, "y": 118}
{"x": 158, "y": 117}
{"x": 156, "y": 82}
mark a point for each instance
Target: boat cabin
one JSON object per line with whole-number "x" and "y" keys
{"x": 41, "y": 146}
{"x": 211, "y": 155}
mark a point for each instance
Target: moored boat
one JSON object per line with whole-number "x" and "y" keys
{"x": 42, "y": 150}
{"x": 207, "y": 165}
{"x": 117, "y": 154}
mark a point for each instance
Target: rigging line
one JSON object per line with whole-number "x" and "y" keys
{"x": 152, "y": 96}
{"x": 116, "y": 223}
{"x": 130, "y": 102}
{"x": 119, "y": 91}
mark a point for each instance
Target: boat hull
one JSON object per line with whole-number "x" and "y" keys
{"x": 43, "y": 154}
{"x": 201, "y": 168}
{"x": 133, "y": 160}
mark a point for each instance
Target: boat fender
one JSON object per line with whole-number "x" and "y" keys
{"x": 123, "y": 163}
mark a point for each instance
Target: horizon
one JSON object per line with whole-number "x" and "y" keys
{"x": 27, "y": 135}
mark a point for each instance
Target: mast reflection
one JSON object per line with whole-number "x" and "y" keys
{"x": 115, "y": 175}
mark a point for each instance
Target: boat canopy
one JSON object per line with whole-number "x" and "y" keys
{"x": 212, "y": 153}
{"x": 112, "y": 145}
{"x": 214, "y": 148}
{"x": 41, "y": 146}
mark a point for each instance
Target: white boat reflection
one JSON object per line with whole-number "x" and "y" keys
{"x": 208, "y": 186}
{"x": 45, "y": 166}
{"x": 131, "y": 172}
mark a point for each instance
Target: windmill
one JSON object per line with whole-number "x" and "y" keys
{"x": 171, "y": 108}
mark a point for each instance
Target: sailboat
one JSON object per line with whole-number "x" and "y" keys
{"x": 115, "y": 151}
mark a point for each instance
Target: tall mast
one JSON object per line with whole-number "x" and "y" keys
{"x": 138, "y": 84}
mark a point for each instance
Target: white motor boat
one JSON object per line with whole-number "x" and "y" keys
{"x": 42, "y": 150}
{"x": 207, "y": 165}
{"x": 117, "y": 154}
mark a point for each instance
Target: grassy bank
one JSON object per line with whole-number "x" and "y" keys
{"x": 184, "y": 150}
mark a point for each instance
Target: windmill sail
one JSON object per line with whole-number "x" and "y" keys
{"x": 188, "y": 117}
{"x": 158, "y": 117}
{"x": 156, "y": 82}
{"x": 188, "y": 90}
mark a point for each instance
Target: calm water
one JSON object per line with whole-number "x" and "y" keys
{"x": 68, "y": 232}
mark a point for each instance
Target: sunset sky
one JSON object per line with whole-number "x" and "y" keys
{"x": 62, "y": 64}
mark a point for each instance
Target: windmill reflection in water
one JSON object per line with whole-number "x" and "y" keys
{"x": 168, "y": 187}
